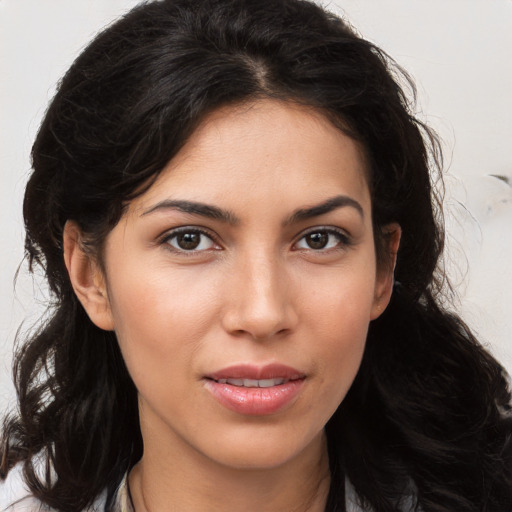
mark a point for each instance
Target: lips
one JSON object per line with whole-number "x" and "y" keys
{"x": 255, "y": 390}
{"x": 253, "y": 383}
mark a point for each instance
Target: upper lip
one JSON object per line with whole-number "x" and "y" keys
{"x": 249, "y": 371}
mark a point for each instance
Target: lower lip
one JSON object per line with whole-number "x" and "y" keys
{"x": 255, "y": 401}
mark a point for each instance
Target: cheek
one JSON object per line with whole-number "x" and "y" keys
{"x": 343, "y": 343}
{"x": 338, "y": 311}
{"x": 341, "y": 300}
{"x": 160, "y": 318}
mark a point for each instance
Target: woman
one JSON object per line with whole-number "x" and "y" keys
{"x": 232, "y": 203}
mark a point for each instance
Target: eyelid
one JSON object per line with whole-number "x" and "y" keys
{"x": 344, "y": 237}
{"x": 164, "y": 238}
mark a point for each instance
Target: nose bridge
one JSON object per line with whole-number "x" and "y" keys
{"x": 261, "y": 302}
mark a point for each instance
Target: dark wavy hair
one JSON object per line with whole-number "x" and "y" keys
{"x": 428, "y": 416}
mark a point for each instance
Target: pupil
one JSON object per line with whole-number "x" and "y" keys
{"x": 317, "y": 240}
{"x": 189, "y": 241}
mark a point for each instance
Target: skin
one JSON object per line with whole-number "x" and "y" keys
{"x": 256, "y": 290}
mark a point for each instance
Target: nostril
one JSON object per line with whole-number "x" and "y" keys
{"x": 260, "y": 335}
{"x": 260, "y": 304}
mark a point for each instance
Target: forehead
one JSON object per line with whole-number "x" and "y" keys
{"x": 264, "y": 151}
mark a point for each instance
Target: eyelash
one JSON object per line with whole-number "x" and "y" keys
{"x": 344, "y": 240}
{"x": 166, "y": 240}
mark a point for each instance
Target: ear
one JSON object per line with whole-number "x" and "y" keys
{"x": 386, "y": 270}
{"x": 86, "y": 278}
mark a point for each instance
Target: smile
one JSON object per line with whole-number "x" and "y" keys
{"x": 253, "y": 383}
{"x": 256, "y": 391}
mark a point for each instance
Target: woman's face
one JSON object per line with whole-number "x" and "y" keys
{"x": 241, "y": 285}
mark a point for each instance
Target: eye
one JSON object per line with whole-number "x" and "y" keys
{"x": 322, "y": 239}
{"x": 190, "y": 240}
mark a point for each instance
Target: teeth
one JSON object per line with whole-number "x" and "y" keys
{"x": 235, "y": 382}
{"x": 253, "y": 383}
{"x": 266, "y": 383}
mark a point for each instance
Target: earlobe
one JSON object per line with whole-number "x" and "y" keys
{"x": 86, "y": 278}
{"x": 386, "y": 271}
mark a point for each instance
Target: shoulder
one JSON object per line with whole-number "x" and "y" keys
{"x": 15, "y": 495}
{"x": 407, "y": 503}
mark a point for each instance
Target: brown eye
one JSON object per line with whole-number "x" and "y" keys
{"x": 188, "y": 241}
{"x": 323, "y": 239}
{"x": 317, "y": 240}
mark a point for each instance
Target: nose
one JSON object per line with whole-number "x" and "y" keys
{"x": 261, "y": 303}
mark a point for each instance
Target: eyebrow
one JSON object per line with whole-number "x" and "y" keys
{"x": 327, "y": 206}
{"x": 194, "y": 208}
{"x": 216, "y": 213}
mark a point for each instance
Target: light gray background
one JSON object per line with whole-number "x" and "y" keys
{"x": 459, "y": 52}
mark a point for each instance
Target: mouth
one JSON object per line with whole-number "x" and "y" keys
{"x": 253, "y": 383}
{"x": 249, "y": 375}
{"x": 254, "y": 390}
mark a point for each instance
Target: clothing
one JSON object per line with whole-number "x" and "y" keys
{"x": 15, "y": 497}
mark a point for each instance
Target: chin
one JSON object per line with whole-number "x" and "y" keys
{"x": 264, "y": 450}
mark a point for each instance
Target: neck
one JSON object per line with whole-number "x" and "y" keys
{"x": 196, "y": 483}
